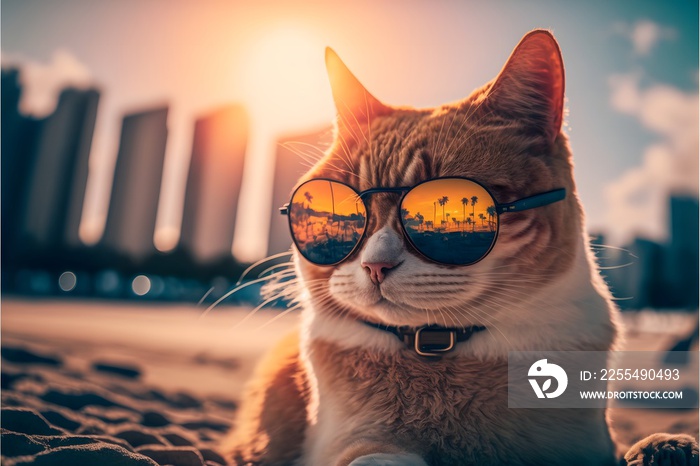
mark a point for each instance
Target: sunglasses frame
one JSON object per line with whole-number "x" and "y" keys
{"x": 526, "y": 203}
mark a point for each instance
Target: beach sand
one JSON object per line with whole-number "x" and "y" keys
{"x": 116, "y": 384}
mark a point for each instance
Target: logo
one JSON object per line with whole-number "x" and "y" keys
{"x": 542, "y": 368}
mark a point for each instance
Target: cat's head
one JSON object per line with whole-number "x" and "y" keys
{"x": 505, "y": 135}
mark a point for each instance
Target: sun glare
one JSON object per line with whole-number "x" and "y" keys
{"x": 286, "y": 91}
{"x": 285, "y": 80}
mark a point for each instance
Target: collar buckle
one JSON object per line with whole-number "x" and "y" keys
{"x": 431, "y": 341}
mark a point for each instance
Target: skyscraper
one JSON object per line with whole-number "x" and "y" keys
{"x": 295, "y": 155}
{"x": 682, "y": 256}
{"x": 644, "y": 275}
{"x": 58, "y": 176}
{"x": 214, "y": 183}
{"x": 133, "y": 204}
{"x": 17, "y": 140}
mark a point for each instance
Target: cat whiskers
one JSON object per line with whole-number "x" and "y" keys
{"x": 209, "y": 291}
{"x": 323, "y": 301}
{"x": 467, "y": 137}
{"x": 303, "y": 152}
{"x": 254, "y": 311}
{"x": 437, "y": 141}
{"x": 310, "y": 160}
{"x": 443, "y": 146}
{"x": 479, "y": 317}
{"x": 328, "y": 165}
{"x": 240, "y": 287}
{"x": 295, "y": 304}
{"x": 369, "y": 124}
{"x": 346, "y": 150}
{"x": 452, "y": 316}
{"x": 279, "y": 316}
{"x": 292, "y": 290}
{"x": 513, "y": 295}
{"x": 498, "y": 304}
{"x": 260, "y": 262}
{"x": 598, "y": 258}
{"x": 288, "y": 289}
{"x": 490, "y": 289}
{"x": 286, "y": 265}
{"x": 366, "y": 137}
{"x": 287, "y": 273}
{"x": 349, "y": 126}
{"x": 329, "y": 303}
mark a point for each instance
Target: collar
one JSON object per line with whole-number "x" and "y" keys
{"x": 429, "y": 340}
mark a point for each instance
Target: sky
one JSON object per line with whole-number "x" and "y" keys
{"x": 425, "y": 199}
{"x": 631, "y": 84}
{"x": 327, "y": 197}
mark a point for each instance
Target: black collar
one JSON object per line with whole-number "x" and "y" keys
{"x": 429, "y": 340}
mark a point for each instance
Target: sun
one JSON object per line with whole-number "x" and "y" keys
{"x": 285, "y": 89}
{"x": 284, "y": 79}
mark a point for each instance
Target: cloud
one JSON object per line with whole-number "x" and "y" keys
{"x": 637, "y": 202}
{"x": 42, "y": 82}
{"x": 644, "y": 35}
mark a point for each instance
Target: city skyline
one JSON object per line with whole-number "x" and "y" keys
{"x": 326, "y": 217}
{"x": 631, "y": 67}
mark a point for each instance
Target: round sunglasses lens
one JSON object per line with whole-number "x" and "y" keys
{"x": 327, "y": 220}
{"x": 451, "y": 220}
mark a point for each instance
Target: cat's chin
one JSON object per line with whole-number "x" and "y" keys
{"x": 385, "y": 311}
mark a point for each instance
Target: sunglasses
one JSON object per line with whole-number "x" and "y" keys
{"x": 452, "y": 221}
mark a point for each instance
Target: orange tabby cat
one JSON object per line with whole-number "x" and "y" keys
{"x": 344, "y": 390}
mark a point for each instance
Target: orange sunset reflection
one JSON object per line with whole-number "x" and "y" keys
{"x": 451, "y": 220}
{"x": 450, "y": 205}
{"x": 327, "y": 220}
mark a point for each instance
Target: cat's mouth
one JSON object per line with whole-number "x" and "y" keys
{"x": 388, "y": 312}
{"x": 394, "y": 298}
{"x": 384, "y": 302}
{"x": 414, "y": 294}
{"x": 397, "y": 312}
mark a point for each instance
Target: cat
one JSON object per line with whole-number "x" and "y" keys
{"x": 341, "y": 392}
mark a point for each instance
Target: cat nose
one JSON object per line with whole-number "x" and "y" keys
{"x": 377, "y": 270}
{"x": 383, "y": 251}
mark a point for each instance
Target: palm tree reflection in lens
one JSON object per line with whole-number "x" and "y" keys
{"x": 328, "y": 219}
{"x": 326, "y": 230}
{"x": 459, "y": 246}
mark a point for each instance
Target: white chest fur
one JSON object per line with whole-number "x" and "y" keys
{"x": 368, "y": 387}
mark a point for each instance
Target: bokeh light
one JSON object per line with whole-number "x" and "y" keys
{"x": 67, "y": 281}
{"x": 141, "y": 285}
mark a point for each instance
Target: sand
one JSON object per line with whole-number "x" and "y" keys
{"x": 88, "y": 383}
{"x": 113, "y": 384}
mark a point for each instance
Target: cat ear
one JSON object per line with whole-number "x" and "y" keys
{"x": 530, "y": 86}
{"x": 354, "y": 104}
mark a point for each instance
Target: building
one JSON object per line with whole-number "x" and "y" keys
{"x": 17, "y": 141}
{"x": 58, "y": 177}
{"x": 645, "y": 275}
{"x": 133, "y": 206}
{"x": 681, "y": 269}
{"x": 214, "y": 183}
{"x": 295, "y": 155}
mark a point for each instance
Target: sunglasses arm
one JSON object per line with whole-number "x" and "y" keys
{"x": 538, "y": 200}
